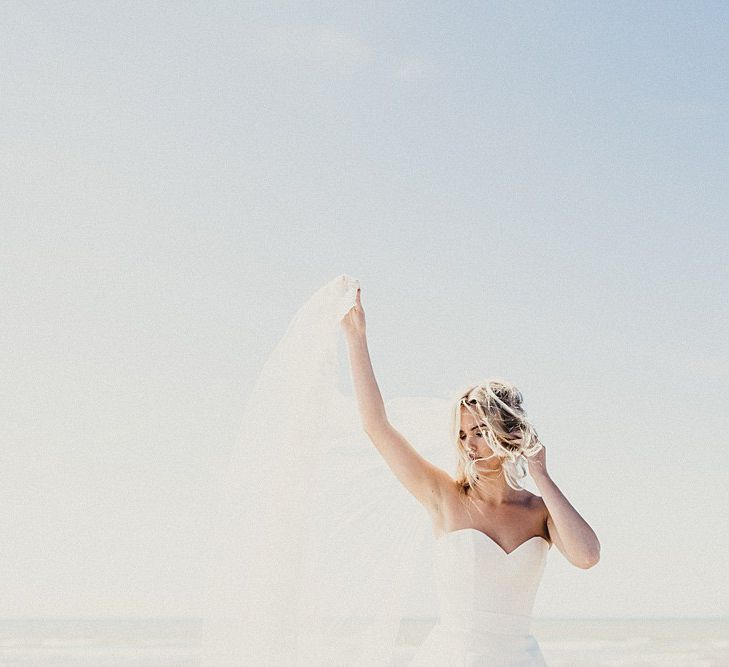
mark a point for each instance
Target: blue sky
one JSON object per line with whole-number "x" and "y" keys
{"x": 536, "y": 191}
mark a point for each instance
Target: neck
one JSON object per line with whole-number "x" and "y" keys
{"x": 491, "y": 488}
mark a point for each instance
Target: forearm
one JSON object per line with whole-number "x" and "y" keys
{"x": 369, "y": 399}
{"x": 579, "y": 540}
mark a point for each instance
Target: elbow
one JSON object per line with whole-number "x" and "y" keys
{"x": 589, "y": 560}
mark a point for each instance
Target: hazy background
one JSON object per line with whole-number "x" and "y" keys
{"x": 532, "y": 190}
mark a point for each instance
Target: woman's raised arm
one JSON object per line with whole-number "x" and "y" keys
{"x": 369, "y": 398}
{"x": 425, "y": 481}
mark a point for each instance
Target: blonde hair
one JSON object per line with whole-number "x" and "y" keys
{"x": 496, "y": 403}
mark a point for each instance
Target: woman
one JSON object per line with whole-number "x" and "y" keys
{"x": 492, "y": 535}
{"x": 317, "y": 557}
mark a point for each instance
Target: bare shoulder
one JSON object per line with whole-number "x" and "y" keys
{"x": 452, "y": 491}
{"x": 539, "y": 507}
{"x": 450, "y": 497}
{"x": 530, "y": 509}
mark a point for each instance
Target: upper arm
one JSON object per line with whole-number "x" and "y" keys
{"x": 554, "y": 536}
{"x": 425, "y": 481}
{"x": 552, "y": 531}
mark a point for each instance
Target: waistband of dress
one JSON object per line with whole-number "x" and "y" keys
{"x": 489, "y": 621}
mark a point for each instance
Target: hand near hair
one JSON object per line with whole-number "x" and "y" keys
{"x": 538, "y": 463}
{"x": 353, "y": 322}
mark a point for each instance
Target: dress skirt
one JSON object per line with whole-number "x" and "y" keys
{"x": 449, "y": 646}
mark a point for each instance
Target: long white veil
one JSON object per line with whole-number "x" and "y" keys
{"x": 318, "y": 553}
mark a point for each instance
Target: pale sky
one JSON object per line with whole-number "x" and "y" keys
{"x": 536, "y": 191}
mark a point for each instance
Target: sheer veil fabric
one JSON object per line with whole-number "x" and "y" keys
{"x": 317, "y": 552}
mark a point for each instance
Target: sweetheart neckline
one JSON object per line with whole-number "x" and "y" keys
{"x": 490, "y": 539}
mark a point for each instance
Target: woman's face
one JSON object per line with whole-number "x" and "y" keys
{"x": 474, "y": 442}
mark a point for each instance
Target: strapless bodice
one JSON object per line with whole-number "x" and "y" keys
{"x": 482, "y": 588}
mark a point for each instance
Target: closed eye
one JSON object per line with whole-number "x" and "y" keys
{"x": 461, "y": 436}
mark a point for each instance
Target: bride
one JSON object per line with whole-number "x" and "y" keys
{"x": 317, "y": 556}
{"x": 493, "y": 535}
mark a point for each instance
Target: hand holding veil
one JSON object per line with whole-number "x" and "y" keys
{"x": 317, "y": 552}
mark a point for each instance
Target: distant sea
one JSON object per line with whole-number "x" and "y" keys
{"x": 174, "y": 642}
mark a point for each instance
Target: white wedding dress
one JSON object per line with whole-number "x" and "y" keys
{"x": 485, "y": 598}
{"x": 317, "y": 555}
